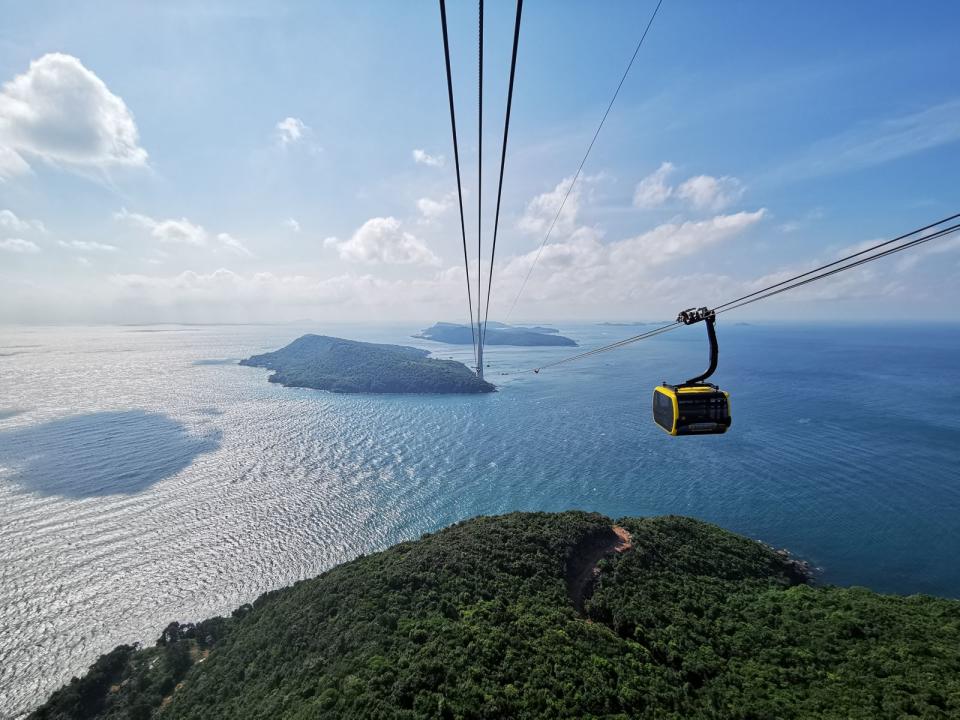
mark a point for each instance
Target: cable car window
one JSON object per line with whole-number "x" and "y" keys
{"x": 663, "y": 410}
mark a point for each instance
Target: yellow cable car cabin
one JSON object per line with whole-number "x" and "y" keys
{"x": 694, "y": 407}
{"x": 701, "y": 409}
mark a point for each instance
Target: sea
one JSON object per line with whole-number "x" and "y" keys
{"x": 146, "y": 477}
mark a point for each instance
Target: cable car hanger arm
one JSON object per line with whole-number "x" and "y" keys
{"x": 695, "y": 315}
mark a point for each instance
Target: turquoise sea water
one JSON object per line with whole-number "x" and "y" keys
{"x": 145, "y": 477}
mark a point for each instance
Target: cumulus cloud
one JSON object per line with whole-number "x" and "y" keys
{"x": 543, "y": 208}
{"x": 383, "y": 240}
{"x": 60, "y": 112}
{"x": 422, "y": 157}
{"x": 672, "y": 240}
{"x": 290, "y": 131}
{"x": 580, "y": 272}
{"x": 86, "y": 246}
{"x": 180, "y": 231}
{"x": 585, "y": 253}
{"x": 10, "y": 221}
{"x": 585, "y": 271}
{"x": 702, "y": 192}
{"x": 19, "y": 245}
{"x": 706, "y": 192}
{"x": 291, "y": 224}
{"x": 432, "y": 209}
{"x": 653, "y": 191}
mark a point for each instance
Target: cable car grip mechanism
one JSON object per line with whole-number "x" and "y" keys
{"x": 692, "y": 316}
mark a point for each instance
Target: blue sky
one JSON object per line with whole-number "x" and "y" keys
{"x": 258, "y": 161}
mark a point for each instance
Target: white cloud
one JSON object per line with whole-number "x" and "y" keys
{"x": 672, "y": 240}
{"x": 19, "y": 245}
{"x": 60, "y": 112}
{"x": 9, "y": 220}
{"x": 702, "y": 192}
{"x": 290, "y": 130}
{"x": 383, "y": 240}
{"x": 935, "y": 247}
{"x": 541, "y": 211}
{"x": 706, "y": 192}
{"x": 292, "y": 224}
{"x": 183, "y": 232}
{"x": 421, "y": 157}
{"x": 180, "y": 231}
{"x": 86, "y": 246}
{"x": 865, "y": 281}
{"x": 432, "y": 209}
{"x": 225, "y": 286}
{"x": 861, "y": 282}
{"x": 293, "y": 132}
{"x": 234, "y": 245}
{"x": 583, "y": 271}
{"x": 227, "y": 294}
{"x": 653, "y": 190}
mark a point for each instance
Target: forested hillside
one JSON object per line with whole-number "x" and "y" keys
{"x": 480, "y": 621}
{"x": 347, "y": 366}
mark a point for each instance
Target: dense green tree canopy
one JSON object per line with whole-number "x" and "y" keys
{"x": 347, "y": 366}
{"x": 481, "y": 620}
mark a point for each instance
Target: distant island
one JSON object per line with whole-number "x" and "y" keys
{"x": 497, "y": 334}
{"x": 347, "y": 366}
{"x": 630, "y": 324}
{"x": 542, "y": 615}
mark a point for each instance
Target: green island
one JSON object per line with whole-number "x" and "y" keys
{"x": 540, "y": 615}
{"x": 497, "y": 333}
{"x": 348, "y": 366}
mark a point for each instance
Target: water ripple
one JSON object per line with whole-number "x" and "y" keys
{"x": 154, "y": 484}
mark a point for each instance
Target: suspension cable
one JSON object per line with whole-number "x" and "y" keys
{"x": 503, "y": 161}
{"x": 611, "y": 346}
{"x": 480, "y": 187}
{"x": 583, "y": 161}
{"x": 780, "y": 287}
{"x": 841, "y": 260}
{"x": 456, "y": 160}
{"x": 949, "y": 230}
